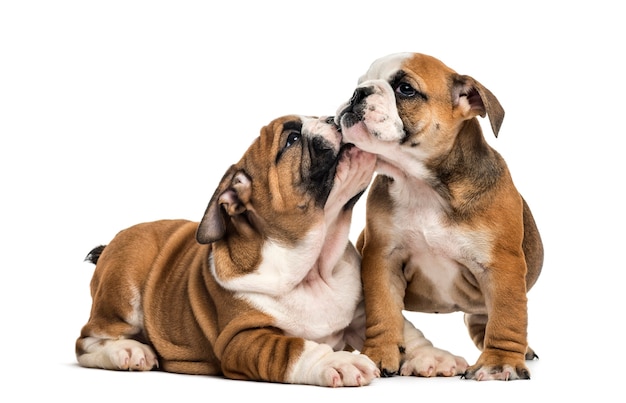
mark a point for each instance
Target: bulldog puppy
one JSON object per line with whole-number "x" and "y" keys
{"x": 266, "y": 287}
{"x": 446, "y": 229}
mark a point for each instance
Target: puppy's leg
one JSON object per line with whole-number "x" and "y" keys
{"x": 383, "y": 286}
{"x": 109, "y": 342}
{"x": 504, "y": 345}
{"x": 111, "y": 337}
{"x": 320, "y": 365}
{"x": 476, "y": 326}
{"x": 423, "y": 359}
{"x": 267, "y": 354}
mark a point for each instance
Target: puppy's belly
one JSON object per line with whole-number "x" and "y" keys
{"x": 440, "y": 260}
{"x": 439, "y": 284}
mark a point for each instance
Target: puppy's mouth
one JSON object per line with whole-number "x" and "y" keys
{"x": 340, "y": 120}
{"x": 344, "y": 147}
{"x": 349, "y": 119}
{"x": 353, "y": 111}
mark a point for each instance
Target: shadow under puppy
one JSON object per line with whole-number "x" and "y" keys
{"x": 266, "y": 287}
{"x": 446, "y": 229}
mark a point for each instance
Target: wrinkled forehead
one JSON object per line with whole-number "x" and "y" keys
{"x": 385, "y": 67}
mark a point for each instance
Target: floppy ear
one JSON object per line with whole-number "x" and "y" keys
{"x": 481, "y": 101}
{"x": 228, "y": 200}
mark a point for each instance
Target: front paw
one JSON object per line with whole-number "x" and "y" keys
{"x": 319, "y": 365}
{"x": 387, "y": 358}
{"x": 343, "y": 368}
{"x": 498, "y": 366}
{"x": 430, "y": 361}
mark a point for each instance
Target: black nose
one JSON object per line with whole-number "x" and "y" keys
{"x": 359, "y": 95}
{"x": 330, "y": 120}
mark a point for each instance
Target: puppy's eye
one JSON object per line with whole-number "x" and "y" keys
{"x": 292, "y": 138}
{"x": 405, "y": 89}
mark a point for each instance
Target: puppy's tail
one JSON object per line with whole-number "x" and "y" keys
{"x": 94, "y": 255}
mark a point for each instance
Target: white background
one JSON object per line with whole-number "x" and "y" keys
{"x": 118, "y": 112}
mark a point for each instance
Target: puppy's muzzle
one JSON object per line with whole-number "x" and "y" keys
{"x": 352, "y": 113}
{"x": 359, "y": 95}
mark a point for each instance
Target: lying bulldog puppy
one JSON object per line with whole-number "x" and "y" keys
{"x": 266, "y": 287}
{"x": 446, "y": 229}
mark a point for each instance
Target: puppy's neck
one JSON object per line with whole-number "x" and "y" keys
{"x": 335, "y": 242}
{"x": 459, "y": 178}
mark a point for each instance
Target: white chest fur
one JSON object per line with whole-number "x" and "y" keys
{"x": 439, "y": 248}
{"x": 305, "y": 302}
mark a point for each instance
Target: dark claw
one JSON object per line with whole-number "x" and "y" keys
{"x": 531, "y": 356}
{"x": 524, "y": 374}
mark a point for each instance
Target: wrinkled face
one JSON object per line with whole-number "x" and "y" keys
{"x": 411, "y": 106}
{"x": 282, "y": 184}
{"x": 300, "y": 168}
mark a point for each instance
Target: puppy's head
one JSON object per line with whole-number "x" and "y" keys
{"x": 285, "y": 180}
{"x": 414, "y": 101}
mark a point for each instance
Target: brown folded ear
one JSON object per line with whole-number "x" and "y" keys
{"x": 228, "y": 200}
{"x": 481, "y": 100}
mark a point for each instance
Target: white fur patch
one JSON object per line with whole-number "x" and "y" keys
{"x": 320, "y": 365}
{"x": 381, "y": 117}
{"x": 423, "y": 359}
{"x": 305, "y": 302}
{"x": 282, "y": 267}
{"x": 385, "y": 67}
{"x": 439, "y": 249}
{"x": 135, "y": 318}
{"x": 317, "y": 308}
{"x": 312, "y": 127}
{"x": 120, "y": 354}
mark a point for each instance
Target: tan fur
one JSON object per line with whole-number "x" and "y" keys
{"x": 446, "y": 229}
{"x": 232, "y": 295}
